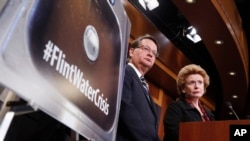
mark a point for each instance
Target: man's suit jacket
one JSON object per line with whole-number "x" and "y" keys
{"x": 138, "y": 120}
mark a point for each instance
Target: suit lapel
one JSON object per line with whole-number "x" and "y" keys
{"x": 150, "y": 102}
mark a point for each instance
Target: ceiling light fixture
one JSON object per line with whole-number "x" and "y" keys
{"x": 149, "y": 4}
{"x": 232, "y": 73}
{"x": 190, "y": 1}
{"x": 219, "y": 42}
{"x": 234, "y": 96}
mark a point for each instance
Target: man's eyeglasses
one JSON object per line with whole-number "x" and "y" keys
{"x": 148, "y": 49}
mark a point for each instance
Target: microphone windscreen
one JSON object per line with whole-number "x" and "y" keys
{"x": 229, "y": 105}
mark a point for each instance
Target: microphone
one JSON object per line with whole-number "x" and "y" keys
{"x": 229, "y": 105}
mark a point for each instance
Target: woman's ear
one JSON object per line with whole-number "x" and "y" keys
{"x": 183, "y": 91}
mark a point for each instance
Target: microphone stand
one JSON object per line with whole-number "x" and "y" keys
{"x": 231, "y": 108}
{"x": 234, "y": 113}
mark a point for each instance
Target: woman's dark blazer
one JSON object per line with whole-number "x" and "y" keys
{"x": 180, "y": 111}
{"x": 138, "y": 119}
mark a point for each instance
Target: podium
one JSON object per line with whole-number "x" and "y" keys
{"x": 208, "y": 131}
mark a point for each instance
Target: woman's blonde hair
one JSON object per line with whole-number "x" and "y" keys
{"x": 188, "y": 70}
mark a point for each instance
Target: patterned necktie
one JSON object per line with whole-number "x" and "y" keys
{"x": 145, "y": 84}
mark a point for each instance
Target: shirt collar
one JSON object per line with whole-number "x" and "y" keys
{"x": 136, "y": 70}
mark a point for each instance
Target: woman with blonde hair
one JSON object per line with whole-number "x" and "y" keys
{"x": 192, "y": 82}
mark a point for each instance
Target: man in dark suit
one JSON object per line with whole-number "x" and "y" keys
{"x": 138, "y": 120}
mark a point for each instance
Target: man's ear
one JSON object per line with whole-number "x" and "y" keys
{"x": 131, "y": 52}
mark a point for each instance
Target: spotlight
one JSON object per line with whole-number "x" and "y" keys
{"x": 149, "y": 4}
{"x": 192, "y": 35}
